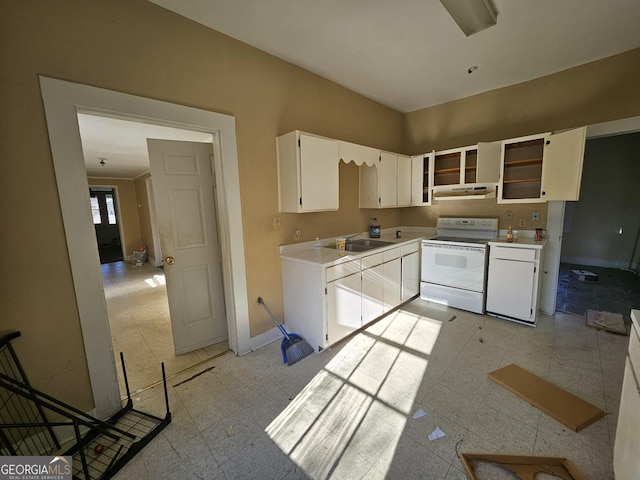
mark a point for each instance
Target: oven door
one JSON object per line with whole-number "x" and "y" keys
{"x": 454, "y": 266}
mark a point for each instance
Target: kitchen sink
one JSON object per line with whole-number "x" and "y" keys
{"x": 364, "y": 244}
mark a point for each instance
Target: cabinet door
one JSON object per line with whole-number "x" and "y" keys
{"x": 521, "y": 169}
{"x": 562, "y": 165}
{"x": 344, "y": 310}
{"x": 510, "y": 288}
{"x": 421, "y": 179}
{"x": 488, "y": 162}
{"x": 403, "y": 184}
{"x": 318, "y": 173}
{"x": 410, "y": 275}
{"x": 392, "y": 284}
{"x": 626, "y": 461}
{"x": 446, "y": 167}
{"x": 387, "y": 179}
{"x": 372, "y": 293}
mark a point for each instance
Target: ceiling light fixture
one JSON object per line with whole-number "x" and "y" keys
{"x": 472, "y": 16}
{"x": 102, "y": 161}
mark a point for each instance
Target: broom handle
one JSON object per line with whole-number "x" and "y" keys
{"x": 284, "y": 332}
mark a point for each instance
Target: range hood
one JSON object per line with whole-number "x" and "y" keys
{"x": 464, "y": 192}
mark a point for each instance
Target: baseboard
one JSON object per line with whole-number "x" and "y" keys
{"x": 265, "y": 338}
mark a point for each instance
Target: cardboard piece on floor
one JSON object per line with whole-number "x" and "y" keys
{"x": 585, "y": 275}
{"x": 524, "y": 467}
{"x": 611, "y": 322}
{"x": 565, "y": 407}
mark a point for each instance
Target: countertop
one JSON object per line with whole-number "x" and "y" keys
{"x": 304, "y": 251}
{"x": 521, "y": 242}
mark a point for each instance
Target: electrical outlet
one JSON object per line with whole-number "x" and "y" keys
{"x": 276, "y": 223}
{"x": 509, "y": 215}
{"x": 297, "y": 233}
{"x": 522, "y": 222}
{"x": 535, "y": 216}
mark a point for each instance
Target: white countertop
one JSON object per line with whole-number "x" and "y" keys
{"x": 304, "y": 251}
{"x": 520, "y": 242}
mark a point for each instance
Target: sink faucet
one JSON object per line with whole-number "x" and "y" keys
{"x": 351, "y": 237}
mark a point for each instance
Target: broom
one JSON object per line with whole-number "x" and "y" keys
{"x": 293, "y": 346}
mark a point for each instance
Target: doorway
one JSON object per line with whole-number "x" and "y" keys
{"x": 105, "y": 220}
{"x": 146, "y": 324}
{"x": 62, "y": 101}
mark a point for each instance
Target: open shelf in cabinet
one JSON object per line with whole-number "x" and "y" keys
{"x": 470, "y": 166}
{"x": 446, "y": 169}
{"x": 522, "y": 169}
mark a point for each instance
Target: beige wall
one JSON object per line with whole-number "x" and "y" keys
{"x": 135, "y": 47}
{"x": 128, "y": 209}
{"x": 144, "y": 217}
{"x": 593, "y": 93}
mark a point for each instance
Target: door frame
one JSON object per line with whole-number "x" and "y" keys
{"x": 62, "y": 102}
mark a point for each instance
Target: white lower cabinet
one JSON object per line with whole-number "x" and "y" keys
{"x": 513, "y": 282}
{"x": 410, "y": 274}
{"x": 372, "y": 287}
{"x": 626, "y": 458}
{"x": 324, "y": 304}
{"x": 344, "y": 306}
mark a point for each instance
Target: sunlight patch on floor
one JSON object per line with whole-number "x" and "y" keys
{"x": 356, "y": 408}
{"x": 156, "y": 281}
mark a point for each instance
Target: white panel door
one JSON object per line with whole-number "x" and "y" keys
{"x": 184, "y": 196}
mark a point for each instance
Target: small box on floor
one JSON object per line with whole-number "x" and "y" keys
{"x": 585, "y": 275}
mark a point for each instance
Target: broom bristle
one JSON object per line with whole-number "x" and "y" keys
{"x": 297, "y": 350}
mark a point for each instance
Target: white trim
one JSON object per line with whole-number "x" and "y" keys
{"x": 155, "y": 234}
{"x": 265, "y": 338}
{"x": 62, "y": 102}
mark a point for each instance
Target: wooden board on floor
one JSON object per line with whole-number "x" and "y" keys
{"x": 565, "y": 407}
{"x": 524, "y": 467}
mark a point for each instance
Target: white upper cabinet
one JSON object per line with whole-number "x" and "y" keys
{"x": 360, "y": 154}
{"x": 562, "y": 165}
{"x": 307, "y": 173}
{"x": 538, "y": 168}
{"x": 388, "y": 184}
{"x": 421, "y": 181}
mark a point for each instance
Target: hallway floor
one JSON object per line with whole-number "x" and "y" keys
{"x": 616, "y": 291}
{"x": 141, "y": 327}
{"x": 347, "y": 413}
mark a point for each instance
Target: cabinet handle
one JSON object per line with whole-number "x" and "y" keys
{"x": 544, "y": 193}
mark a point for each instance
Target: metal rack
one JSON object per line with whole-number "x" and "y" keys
{"x": 29, "y": 419}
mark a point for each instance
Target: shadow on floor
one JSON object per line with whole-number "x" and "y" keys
{"x": 616, "y": 291}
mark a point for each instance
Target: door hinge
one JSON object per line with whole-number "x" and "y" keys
{"x": 300, "y": 201}
{"x": 531, "y": 312}
{"x": 548, "y": 142}
{"x": 325, "y": 291}
{"x": 380, "y": 200}
{"x": 298, "y": 142}
{"x": 326, "y": 337}
{"x": 534, "y": 269}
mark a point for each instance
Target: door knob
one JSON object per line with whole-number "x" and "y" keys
{"x": 169, "y": 260}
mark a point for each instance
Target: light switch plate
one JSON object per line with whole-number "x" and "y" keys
{"x": 522, "y": 223}
{"x": 509, "y": 215}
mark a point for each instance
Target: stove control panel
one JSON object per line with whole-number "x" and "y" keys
{"x": 457, "y": 223}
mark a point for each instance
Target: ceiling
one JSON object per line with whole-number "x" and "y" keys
{"x": 123, "y": 144}
{"x": 406, "y": 54}
{"x": 410, "y": 54}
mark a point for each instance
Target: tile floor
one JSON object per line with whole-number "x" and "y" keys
{"x": 140, "y": 325}
{"x": 347, "y": 413}
{"x": 616, "y": 291}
